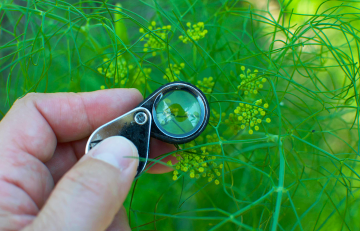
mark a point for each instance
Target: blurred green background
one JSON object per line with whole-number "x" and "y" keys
{"x": 298, "y": 172}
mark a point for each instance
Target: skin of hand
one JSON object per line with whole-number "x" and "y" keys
{"x": 46, "y": 181}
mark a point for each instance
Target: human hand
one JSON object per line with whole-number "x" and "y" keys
{"x": 43, "y": 186}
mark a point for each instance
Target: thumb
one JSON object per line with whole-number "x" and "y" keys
{"x": 93, "y": 191}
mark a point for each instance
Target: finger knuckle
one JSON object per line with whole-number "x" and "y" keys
{"x": 29, "y": 97}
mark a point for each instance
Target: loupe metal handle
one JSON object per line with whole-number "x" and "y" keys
{"x": 134, "y": 125}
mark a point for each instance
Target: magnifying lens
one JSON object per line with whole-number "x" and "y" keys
{"x": 175, "y": 113}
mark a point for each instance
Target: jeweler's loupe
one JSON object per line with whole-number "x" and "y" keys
{"x": 175, "y": 113}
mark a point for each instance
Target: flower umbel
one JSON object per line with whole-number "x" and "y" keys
{"x": 232, "y": 123}
{"x": 251, "y": 115}
{"x": 206, "y": 85}
{"x": 117, "y": 69}
{"x": 140, "y": 76}
{"x": 196, "y": 32}
{"x": 212, "y": 139}
{"x": 197, "y": 165}
{"x": 250, "y": 82}
{"x": 154, "y": 40}
{"x": 172, "y": 73}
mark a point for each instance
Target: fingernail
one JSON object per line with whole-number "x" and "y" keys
{"x": 117, "y": 151}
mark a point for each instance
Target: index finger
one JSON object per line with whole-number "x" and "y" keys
{"x": 37, "y": 122}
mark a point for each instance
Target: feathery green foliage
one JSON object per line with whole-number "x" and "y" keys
{"x": 294, "y": 169}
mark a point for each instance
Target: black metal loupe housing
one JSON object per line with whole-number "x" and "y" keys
{"x": 175, "y": 113}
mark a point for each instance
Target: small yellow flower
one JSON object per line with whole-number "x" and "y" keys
{"x": 250, "y": 82}
{"x": 196, "y": 32}
{"x": 154, "y": 40}
{"x": 117, "y": 69}
{"x": 248, "y": 115}
{"x": 206, "y": 85}
{"x": 172, "y": 73}
{"x": 196, "y": 164}
{"x": 140, "y": 76}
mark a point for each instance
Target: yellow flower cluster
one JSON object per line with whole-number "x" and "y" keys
{"x": 250, "y": 82}
{"x": 139, "y": 76}
{"x": 196, "y": 32}
{"x": 232, "y": 123}
{"x": 155, "y": 40}
{"x": 118, "y": 70}
{"x": 172, "y": 73}
{"x": 251, "y": 115}
{"x": 197, "y": 165}
{"x": 206, "y": 85}
{"x": 213, "y": 148}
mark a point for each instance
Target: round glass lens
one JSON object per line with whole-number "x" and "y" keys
{"x": 178, "y": 112}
